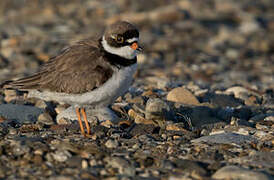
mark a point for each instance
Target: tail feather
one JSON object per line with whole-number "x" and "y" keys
{"x": 23, "y": 83}
{"x": 3, "y": 85}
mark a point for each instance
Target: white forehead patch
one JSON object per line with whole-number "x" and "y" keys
{"x": 132, "y": 40}
{"x": 125, "y": 51}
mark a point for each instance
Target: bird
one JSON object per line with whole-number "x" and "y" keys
{"x": 91, "y": 72}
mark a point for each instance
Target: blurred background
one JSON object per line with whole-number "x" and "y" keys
{"x": 212, "y": 43}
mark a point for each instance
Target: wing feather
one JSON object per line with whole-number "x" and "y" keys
{"x": 77, "y": 69}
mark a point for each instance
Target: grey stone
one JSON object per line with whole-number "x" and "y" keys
{"x": 157, "y": 109}
{"x": 238, "y": 173}
{"x": 225, "y": 138}
{"x": 21, "y": 113}
{"x": 202, "y": 115}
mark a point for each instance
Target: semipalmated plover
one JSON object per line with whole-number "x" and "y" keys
{"x": 92, "y": 72}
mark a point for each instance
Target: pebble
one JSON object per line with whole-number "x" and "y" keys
{"x": 238, "y": 92}
{"x": 38, "y": 159}
{"x": 84, "y": 164}
{"x": 111, "y": 144}
{"x": 93, "y": 162}
{"x": 45, "y": 118}
{"x": 249, "y": 26}
{"x": 64, "y": 121}
{"x": 61, "y": 155}
{"x": 260, "y": 134}
{"x": 136, "y": 100}
{"x": 242, "y": 131}
{"x": 182, "y": 95}
{"x": 157, "y": 109}
{"x": 269, "y": 118}
{"x": 41, "y": 104}
{"x": 139, "y": 119}
{"x": 59, "y": 109}
{"x": 10, "y": 95}
{"x": 19, "y": 150}
{"x": 176, "y": 127}
{"x": 201, "y": 92}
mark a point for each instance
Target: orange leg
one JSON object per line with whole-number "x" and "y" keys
{"x": 80, "y": 121}
{"x": 85, "y": 119}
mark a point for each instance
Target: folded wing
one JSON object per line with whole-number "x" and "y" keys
{"x": 77, "y": 69}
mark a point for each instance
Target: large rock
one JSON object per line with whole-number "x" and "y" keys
{"x": 21, "y": 113}
{"x": 238, "y": 173}
{"x": 182, "y": 95}
{"x": 225, "y": 138}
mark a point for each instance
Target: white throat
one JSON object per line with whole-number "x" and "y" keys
{"x": 125, "y": 52}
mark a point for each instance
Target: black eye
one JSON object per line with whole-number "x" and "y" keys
{"x": 119, "y": 39}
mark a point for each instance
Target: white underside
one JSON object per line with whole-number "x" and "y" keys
{"x": 103, "y": 96}
{"x": 125, "y": 52}
{"x": 101, "y": 114}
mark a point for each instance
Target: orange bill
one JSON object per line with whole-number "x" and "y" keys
{"x": 134, "y": 46}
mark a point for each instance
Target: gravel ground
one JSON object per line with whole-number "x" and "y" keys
{"x": 201, "y": 106}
